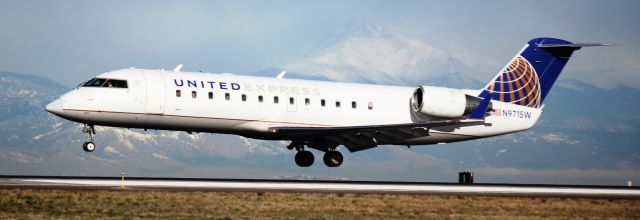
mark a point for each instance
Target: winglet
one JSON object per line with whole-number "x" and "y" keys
{"x": 481, "y": 110}
{"x": 178, "y": 68}
{"x": 281, "y": 74}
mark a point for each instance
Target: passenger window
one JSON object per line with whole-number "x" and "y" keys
{"x": 210, "y": 95}
{"x": 244, "y": 97}
{"x": 193, "y": 94}
{"x": 260, "y": 98}
{"x": 370, "y": 105}
{"x": 227, "y": 96}
{"x": 307, "y": 102}
{"x": 178, "y": 93}
{"x": 114, "y": 83}
{"x": 276, "y": 99}
{"x": 353, "y": 105}
{"x": 291, "y": 100}
{"x": 322, "y": 103}
{"x": 95, "y": 82}
{"x": 337, "y": 104}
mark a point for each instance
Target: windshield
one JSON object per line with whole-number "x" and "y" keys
{"x": 95, "y": 82}
{"x": 114, "y": 83}
{"x": 110, "y": 83}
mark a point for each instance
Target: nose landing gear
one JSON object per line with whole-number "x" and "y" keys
{"x": 89, "y": 146}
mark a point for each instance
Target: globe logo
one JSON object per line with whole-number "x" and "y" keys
{"x": 518, "y": 83}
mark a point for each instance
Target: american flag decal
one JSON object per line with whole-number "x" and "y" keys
{"x": 496, "y": 112}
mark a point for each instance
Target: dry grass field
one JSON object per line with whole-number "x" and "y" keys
{"x": 65, "y": 204}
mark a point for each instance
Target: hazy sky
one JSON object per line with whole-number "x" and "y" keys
{"x": 70, "y": 41}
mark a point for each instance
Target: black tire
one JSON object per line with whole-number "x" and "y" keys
{"x": 304, "y": 158}
{"x": 333, "y": 158}
{"x": 88, "y": 146}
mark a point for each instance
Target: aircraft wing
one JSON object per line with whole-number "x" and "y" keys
{"x": 357, "y": 138}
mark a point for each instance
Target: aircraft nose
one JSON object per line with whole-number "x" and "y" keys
{"x": 55, "y": 107}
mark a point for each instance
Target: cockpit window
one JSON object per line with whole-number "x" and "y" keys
{"x": 114, "y": 83}
{"x": 95, "y": 82}
{"x": 109, "y": 83}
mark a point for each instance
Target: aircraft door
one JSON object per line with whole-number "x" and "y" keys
{"x": 156, "y": 96}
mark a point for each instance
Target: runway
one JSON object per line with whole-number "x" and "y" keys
{"x": 188, "y": 184}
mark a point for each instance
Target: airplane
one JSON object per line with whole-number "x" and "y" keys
{"x": 320, "y": 115}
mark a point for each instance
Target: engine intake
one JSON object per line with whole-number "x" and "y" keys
{"x": 444, "y": 102}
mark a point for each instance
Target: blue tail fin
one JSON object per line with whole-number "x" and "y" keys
{"x": 527, "y": 79}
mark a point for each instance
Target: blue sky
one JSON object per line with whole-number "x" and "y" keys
{"x": 70, "y": 41}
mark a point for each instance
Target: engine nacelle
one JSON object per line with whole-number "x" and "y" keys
{"x": 444, "y": 102}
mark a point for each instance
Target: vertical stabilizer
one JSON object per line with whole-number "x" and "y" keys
{"x": 528, "y": 77}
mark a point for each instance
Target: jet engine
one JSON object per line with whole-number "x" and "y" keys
{"x": 444, "y": 102}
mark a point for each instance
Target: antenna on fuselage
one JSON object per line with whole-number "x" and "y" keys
{"x": 178, "y": 68}
{"x": 281, "y": 74}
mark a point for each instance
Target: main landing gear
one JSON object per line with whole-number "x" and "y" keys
{"x": 332, "y": 158}
{"x": 89, "y": 146}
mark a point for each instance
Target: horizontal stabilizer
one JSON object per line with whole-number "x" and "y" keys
{"x": 573, "y": 45}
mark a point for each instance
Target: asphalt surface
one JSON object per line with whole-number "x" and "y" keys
{"x": 270, "y": 185}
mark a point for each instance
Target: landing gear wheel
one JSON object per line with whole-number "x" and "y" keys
{"x": 304, "y": 158}
{"x": 88, "y": 146}
{"x": 333, "y": 158}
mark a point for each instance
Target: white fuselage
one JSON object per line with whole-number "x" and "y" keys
{"x": 244, "y": 105}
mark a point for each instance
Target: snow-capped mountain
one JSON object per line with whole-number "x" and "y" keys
{"x": 21, "y": 99}
{"x": 370, "y": 54}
